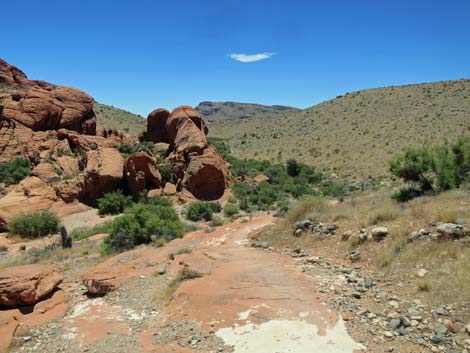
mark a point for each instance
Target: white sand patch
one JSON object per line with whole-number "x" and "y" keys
{"x": 292, "y": 336}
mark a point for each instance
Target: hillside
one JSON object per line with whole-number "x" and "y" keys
{"x": 214, "y": 111}
{"x": 356, "y": 134}
{"x": 123, "y": 120}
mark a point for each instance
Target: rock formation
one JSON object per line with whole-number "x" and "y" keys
{"x": 26, "y": 285}
{"x": 141, "y": 173}
{"x": 73, "y": 159}
{"x": 198, "y": 167}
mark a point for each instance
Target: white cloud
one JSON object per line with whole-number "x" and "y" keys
{"x": 245, "y": 58}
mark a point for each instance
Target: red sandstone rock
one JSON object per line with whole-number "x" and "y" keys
{"x": 186, "y": 130}
{"x": 23, "y": 285}
{"x": 169, "y": 189}
{"x": 141, "y": 173}
{"x": 63, "y": 107}
{"x": 206, "y": 175}
{"x": 12, "y": 76}
{"x": 103, "y": 173}
{"x": 46, "y": 172}
{"x": 156, "y": 126}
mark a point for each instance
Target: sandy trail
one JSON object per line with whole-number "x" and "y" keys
{"x": 255, "y": 300}
{"x": 248, "y": 300}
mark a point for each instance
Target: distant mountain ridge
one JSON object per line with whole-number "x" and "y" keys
{"x": 214, "y": 111}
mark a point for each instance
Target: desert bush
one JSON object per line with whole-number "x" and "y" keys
{"x": 202, "y": 210}
{"x": 166, "y": 170}
{"x": 142, "y": 222}
{"x": 307, "y": 206}
{"x": 128, "y": 149}
{"x": 432, "y": 169}
{"x": 231, "y": 209}
{"x": 216, "y": 221}
{"x": 160, "y": 201}
{"x": 15, "y": 171}
{"x": 34, "y": 224}
{"x": 113, "y": 203}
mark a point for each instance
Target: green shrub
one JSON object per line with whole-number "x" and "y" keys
{"x": 231, "y": 209}
{"x": 293, "y": 169}
{"x": 432, "y": 169}
{"x": 166, "y": 170}
{"x": 142, "y": 222}
{"x": 15, "y": 171}
{"x": 202, "y": 210}
{"x": 34, "y": 224}
{"x": 160, "y": 201}
{"x": 113, "y": 203}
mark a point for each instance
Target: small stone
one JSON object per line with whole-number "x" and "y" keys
{"x": 394, "y": 324}
{"x": 379, "y": 233}
{"x": 422, "y": 272}
{"x": 367, "y": 282}
{"x": 357, "y": 295}
{"x": 436, "y": 339}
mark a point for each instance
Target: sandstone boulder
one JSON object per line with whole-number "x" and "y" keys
{"x": 206, "y": 175}
{"x": 26, "y": 285}
{"x": 100, "y": 283}
{"x": 169, "y": 189}
{"x": 156, "y": 127}
{"x": 186, "y": 131}
{"x": 141, "y": 173}
{"x": 103, "y": 173}
{"x": 46, "y": 172}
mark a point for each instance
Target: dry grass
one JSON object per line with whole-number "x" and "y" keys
{"x": 448, "y": 277}
{"x": 49, "y": 255}
{"x": 308, "y": 206}
{"x": 183, "y": 275}
{"x": 125, "y": 121}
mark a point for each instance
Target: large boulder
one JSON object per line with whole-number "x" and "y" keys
{"x": 141, "y": 173}
{"x": 186, "y": 131}
{"x": 62, "y": 107}
{"x": 26, "y": 285}
{"x": 206, "y": 175}
{"x": 156, "y": 127}
{"x": 103, "y": 173}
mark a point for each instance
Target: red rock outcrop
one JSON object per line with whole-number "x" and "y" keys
{"x": 25, "y": 285}
{"x": 197, "y": 166}
{"x": 12, "y": 76}
{"x": 103, "y": 173}
{"x": 62, "y": 107}
{"x": 206, "y": 175}
{"x": 186, "y": 131}
{"x": 141, "y": 173}
{"x": 156, "y": 127}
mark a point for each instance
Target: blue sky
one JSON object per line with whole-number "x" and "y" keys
{"x": 139, "y": 55}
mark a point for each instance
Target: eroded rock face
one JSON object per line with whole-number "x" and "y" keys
{"x": 103, "y": 173}
{"x": 197, "y": 167}
{"x": 26, "y": 285}
{"x": 141, "y": 173}
{"x": 156, "y": 127}
{"x": 206, "y": 175}
{"x": 62, "y": 107}
{"x": 186, "y": 131}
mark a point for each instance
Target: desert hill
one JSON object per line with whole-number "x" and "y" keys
{"x": 355, "y": 134}
{"x": 214, "y": 111}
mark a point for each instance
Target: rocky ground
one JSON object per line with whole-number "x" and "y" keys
{"x": 244, "y": 296}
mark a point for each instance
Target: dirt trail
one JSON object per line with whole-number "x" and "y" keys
{"x": 248, "y": 300}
